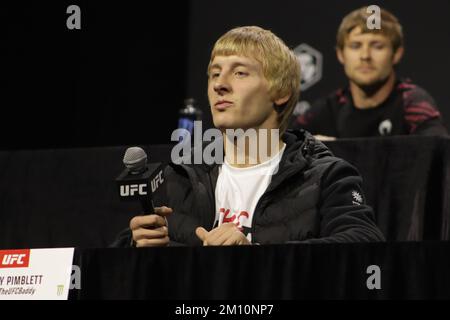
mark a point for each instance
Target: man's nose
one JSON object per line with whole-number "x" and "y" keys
{"x": 365, "y": 53}
{"x": 222, "y": 85}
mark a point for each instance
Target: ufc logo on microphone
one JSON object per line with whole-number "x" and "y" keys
{"x": 131, "y": 190}
{"x": 14, "y": 258}
{"x": 157, "y": 181}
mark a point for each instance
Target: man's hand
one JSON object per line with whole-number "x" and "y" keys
{"x": 324, "y": 138}
{"x": 151, "y": 230}
{"x": 226, "y": 235}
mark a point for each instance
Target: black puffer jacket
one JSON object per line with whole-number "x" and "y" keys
{"x": 314, "y": 197}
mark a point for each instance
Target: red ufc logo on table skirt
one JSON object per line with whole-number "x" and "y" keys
{"x": 14, "y": 258}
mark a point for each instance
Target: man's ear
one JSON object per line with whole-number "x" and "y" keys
{"x": 398, "y": 55}
{"x": 340, "y": 55}
{"x": 282, "y": 100}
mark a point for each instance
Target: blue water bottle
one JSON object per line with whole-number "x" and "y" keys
{"x": 188, "y": 114}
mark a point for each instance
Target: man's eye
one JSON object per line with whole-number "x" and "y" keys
{"x": 241, "y": 74}
{"x": 214, "y": 75}
{"x": 354, "y": 45}
{"x": 378, "y": 46}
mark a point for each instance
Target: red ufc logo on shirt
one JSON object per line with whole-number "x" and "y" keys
{"x": 236, "y": 219}
{"x": 14, "y": 258}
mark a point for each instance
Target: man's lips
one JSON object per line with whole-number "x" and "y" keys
{"x": 365, "y": 69}
{"x": 223, "y": 104}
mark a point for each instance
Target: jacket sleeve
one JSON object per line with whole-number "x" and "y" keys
{"x": 123, "y": 239}
{"x": 181, "y": 198}
{"x": 421, "y": 113}
{"x": 344, "y": 216}
{"x": 432, "y": 127}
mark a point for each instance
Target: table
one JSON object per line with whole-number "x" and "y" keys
{"x": 408, "y": 270}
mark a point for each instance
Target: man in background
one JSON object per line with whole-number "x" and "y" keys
{"x": 375, "y": 102}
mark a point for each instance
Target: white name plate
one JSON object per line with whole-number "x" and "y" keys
{"x": 35, "y": 274}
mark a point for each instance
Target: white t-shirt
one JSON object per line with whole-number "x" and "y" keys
{"x": 238, "y": 191}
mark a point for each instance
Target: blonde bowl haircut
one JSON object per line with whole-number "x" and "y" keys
{"x": 280, "y": 66}
{"x": 390, "y": 27}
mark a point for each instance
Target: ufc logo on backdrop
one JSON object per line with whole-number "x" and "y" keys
{"x": 130, "y": 190}
{"x": 14, "y": 258}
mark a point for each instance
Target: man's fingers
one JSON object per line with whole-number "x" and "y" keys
{"x": 217, "y": 235}
{"x": 218, "y": 241}
{"x": 152, "y": 220}
{"x": 142, "y": 233}
{"x": 324, "y": 138}
{"x": 233, "y": 239}
{"x": 226, "y": 234}
{"x": 231, "y": 235}
{"x": 152, "y": 242}
{"x": 151, "y": 230}
{"x": 163, "y": 211}
{"x": 201, "y": 233}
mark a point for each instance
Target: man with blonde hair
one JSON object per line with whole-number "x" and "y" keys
{"x": 300, "y": 193}
{"x": 376, "y": 102}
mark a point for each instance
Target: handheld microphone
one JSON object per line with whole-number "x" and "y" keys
{"x": 139, "y": 180}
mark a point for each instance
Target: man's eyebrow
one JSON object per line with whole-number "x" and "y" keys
{"x": 233, "y": 65}
{"x": 214, "y": 66}
{"x": 240, "y": 64}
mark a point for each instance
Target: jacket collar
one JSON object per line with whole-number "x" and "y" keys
{"x": 301, "y": 149}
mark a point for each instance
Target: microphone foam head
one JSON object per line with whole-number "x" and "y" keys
{"x": 135, "y": 159}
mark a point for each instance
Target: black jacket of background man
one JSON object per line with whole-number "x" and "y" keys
{"x": 314, "y": 197}
{"x": 408, "y": 109}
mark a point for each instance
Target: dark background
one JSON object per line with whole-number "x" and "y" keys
{"x": 122, "y": 78}
{"x": 109, "y": 83}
